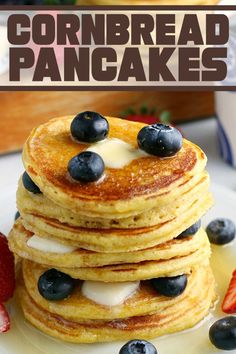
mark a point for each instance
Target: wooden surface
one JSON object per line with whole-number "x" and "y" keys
{"x": 148, "y": 2}
{"x": 22, "y": 111}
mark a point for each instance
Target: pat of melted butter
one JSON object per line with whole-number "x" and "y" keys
{"x": 116, "y": 153}
{"x": 49, "y": 246}
{"x": 109, "y": 294}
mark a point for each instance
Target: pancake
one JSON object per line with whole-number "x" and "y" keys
{"x": 143, "y": 270}
{"x": 175, "y": 317}
{"x": 117, "y": 240}
{"x": 19, "y": 236}
{"x": 77, "y": 307}
{"x": 138, "y": 186}
{"x": 39, "y": 205}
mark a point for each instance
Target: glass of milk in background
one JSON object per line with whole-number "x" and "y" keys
{"x": 4, "y": 46}
{"x": 226, "y": 100}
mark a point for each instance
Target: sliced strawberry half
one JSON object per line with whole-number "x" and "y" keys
{"x": 4, "y": 320}
{"x": 7, "y": 271}
{"x": 229, "y": 303}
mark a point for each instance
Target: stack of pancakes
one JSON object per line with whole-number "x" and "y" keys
{"x": 124, "y": 227}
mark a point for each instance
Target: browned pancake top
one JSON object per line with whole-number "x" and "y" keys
{"x": 50, "y": 147}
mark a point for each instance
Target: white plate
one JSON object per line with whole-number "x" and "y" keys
{"x": 24, "y": 339}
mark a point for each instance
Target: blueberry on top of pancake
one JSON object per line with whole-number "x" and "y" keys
{"x": 89, "y": 127}
{"x": 54, "y": 285}
{"x": 160, "y": 140}
{"x": 86, "y": 167}
{"x": 170, "y": 286}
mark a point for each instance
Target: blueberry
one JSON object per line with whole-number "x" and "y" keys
{"x": 29, "y": 184}
{"x": 55, "y": 285}
{"x": 192, "y": 230}
{"x": 160, "y": 140}
{"x": 170, "y": 286}
{"x": 17, "y": 215}
{"x": 86, "y": 167}
{"x": 89, "y": 127}
{"x": 138, "y": 346}
{"x": 223, "y": 333}
{"x": 221, "y": 231}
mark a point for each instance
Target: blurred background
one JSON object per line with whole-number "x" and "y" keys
{"x": 22, "y": 111}
{"x": 108, "y": 2}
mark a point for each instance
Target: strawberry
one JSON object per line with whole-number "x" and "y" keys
{"x": 145, "y": 119}
{"x": 4, "y": 320}
{"x": 229, "y": 303}
{"x": 7, "y": 270}
{"x": 146, "y": 116}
